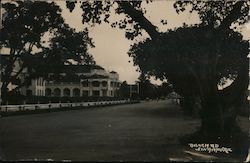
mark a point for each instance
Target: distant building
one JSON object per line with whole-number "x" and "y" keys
{"x": 134, "y": 90}
{"x": 70, "y": 81}
{"x": 85, "y": 80}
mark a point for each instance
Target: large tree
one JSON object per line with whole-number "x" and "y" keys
{"x": 67, "y": 47}
{"x": 196, "y": 61}
{"x": 202, "y": 56}
{"x": 24, "y": 25}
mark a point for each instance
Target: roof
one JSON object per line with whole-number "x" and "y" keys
{"x": 80, "y": 68}
{"x": 113, "y": 72}
{"x": 95, "y": 76}
{"x": 75, "y": 78}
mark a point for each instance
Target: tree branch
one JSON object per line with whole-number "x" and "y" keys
{"x": 18, "y": 72}
{"x": 232, "y": 16}
{"x": 30, "y": 47}
{"x": 138, "y": 17}
{"x": 234, "y": 93}
{"x": 22, "y": 84}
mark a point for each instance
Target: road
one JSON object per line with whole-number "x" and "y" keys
{"x": 147, "y": 131}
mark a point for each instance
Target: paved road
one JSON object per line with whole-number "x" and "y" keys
{"x": 136, "y": 132}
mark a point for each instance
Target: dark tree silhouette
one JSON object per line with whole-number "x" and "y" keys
{"x": 196, "y": 62}
{"x": 69, "y": 44}
{"x": 24, "y": 24}
{"x": 164, "y": 89}
{"x": 147, "y": 89}
{"x": 124, "y": 90}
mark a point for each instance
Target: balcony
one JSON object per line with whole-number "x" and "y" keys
{"x": 61, "y": 83}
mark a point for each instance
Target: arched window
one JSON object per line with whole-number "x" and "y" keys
{"x": 76, "y": 92}
{"x": 66, "y": 92}
{"x": 85, "y": 83}
{"x": 57, "y": 92}
{"x": 96, "y": 84}
{"x": 104, "y": 83}
{"x": 48, "y": 92}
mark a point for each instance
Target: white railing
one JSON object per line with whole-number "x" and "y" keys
{"x": 13, "y": 108}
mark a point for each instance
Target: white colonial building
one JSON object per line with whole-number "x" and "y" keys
{"x": 76, "y": 81}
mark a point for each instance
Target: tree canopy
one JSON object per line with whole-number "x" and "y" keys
{"x": 195, "y": 59}
{"x": 213, "y": 13}
{"x": 24, "y": 25}
{"x": 183, "y": 55}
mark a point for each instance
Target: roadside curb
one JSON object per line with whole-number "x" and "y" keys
{"x": 34, "y": 109}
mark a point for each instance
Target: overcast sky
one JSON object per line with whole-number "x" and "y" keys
{"x": 111, "y": 46}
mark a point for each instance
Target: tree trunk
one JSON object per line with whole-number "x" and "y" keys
{"x": 212, "y": 120}
{"x": 4, "y": 92}
{"x": 220, "y": 108}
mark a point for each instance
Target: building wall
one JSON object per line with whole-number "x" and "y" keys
{"x": 37, "y": 88}
{"x": 107, "y": 87}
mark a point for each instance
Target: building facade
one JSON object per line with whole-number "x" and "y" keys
{"x": 76, "y": 81}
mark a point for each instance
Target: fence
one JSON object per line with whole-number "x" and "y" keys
{"x": 14, "y": 108}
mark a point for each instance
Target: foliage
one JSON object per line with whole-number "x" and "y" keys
{"x": 215, "y": 13}
{"x": 184, "y": 54}
{"x": 24, "y": 25}
{"x": 146, "y": 88}
{"x": 194, "y": 59}
{"x": 124, "y": 90}
{"x": 69, "y": 46}
{"x": 133, "y": 21}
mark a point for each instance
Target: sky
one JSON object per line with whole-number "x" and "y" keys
{"x": 111, "y": 46}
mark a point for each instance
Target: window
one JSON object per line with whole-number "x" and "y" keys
{"x": 104, "y": 83}
{"x": 48, "y": 92}
{"x": 85, "y": 93}
{"x": 85, "y": 83}
{"x": 96, "y": 84}
{"x": 104, "y": 93}
{"x": 57, "y": 92}
{"x": 96, "y": 93}
{"x": 66, "y": 92}
{"x": 76, "y": 92}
